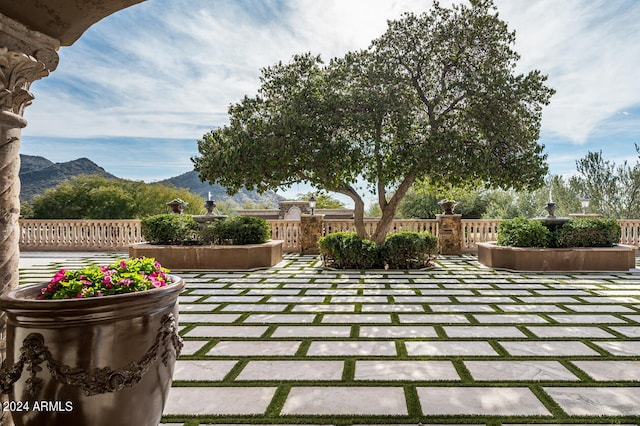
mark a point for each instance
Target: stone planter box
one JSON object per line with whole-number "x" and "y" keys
{"x": 616, "y": 258}
{"x": 250, "y": 256}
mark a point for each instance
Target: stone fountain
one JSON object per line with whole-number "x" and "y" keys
{"x": 551, "y": 221}
{"x": 212, "y": 214}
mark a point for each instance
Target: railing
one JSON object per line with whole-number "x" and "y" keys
{"x": 287, "y": 231}
{"x": 100, "y": 235}
{"x": 478, "y": 231}
{"x": 630, "y": 232}
{"x": 79, "y": 234}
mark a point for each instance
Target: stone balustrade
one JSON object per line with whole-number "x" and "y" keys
{"x": 104, "y": 235}
{"x": 91, "y": 235}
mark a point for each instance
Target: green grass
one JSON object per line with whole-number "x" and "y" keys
{"x": 449, "y": 274}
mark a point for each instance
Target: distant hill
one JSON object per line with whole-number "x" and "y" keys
{"x": 38, "y": 174}
{"x": 191, "y": 181}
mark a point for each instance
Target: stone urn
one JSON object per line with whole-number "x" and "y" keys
{"x": 177, "y": 206}
{"x": 98, "y": 361}
{"x": 448, "y": 206}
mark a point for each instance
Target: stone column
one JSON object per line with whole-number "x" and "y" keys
{"x": 310, "y": 233}
{"x": 25, "y": 56}
{"x": 450, "y": 233}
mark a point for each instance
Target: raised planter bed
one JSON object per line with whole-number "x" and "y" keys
{"x": 250, "y": 256}
{"x": 616, "y": 258}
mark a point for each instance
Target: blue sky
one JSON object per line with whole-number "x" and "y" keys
{"x": 137, "y": 91}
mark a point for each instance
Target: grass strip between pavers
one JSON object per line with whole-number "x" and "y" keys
{"x": 456, "y": 280}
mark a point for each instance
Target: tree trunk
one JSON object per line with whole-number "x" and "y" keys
{"x": 389, "y": 208}
{"x": 358, "y": 213}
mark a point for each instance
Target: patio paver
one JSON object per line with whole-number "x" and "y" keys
{"x": 456, "y": 344}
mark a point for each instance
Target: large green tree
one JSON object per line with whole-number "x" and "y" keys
{"x": 435, "y": 97}
{"x": 96, "y": 197}
{"x": 614, "y": 189}
{"x": 509, "y": 204}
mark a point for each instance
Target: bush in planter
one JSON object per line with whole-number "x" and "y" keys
{"x": 589, "y": 232}
{"x": 170, "y": 229}
{"x": 237, "y": 230}
{"x": 405, "y": 250}
{"x": 520, "y": 232}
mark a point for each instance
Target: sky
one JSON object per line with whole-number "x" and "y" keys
{"x": 140, "y": 87}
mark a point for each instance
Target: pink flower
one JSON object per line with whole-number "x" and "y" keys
{"x": 123, "y": 264}
{"x": 59, "y": 276}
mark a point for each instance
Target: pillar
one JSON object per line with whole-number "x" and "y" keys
{"x": 450, "y": 233}
{"x": 310, "y": 233}
{"x": 25, "y": 56}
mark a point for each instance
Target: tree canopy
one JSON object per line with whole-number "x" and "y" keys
{"x": 613, "y": 189}
{"x": 97, "y": 197}
{"x": 435, "y": 97}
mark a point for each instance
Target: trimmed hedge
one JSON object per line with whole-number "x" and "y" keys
{"x": 520, "y": 232}
{"x": 587, "y": 232}
{"x": 407, "y": 250}
{"x": 179, "y": 229}
{"x": 237, "y": 230}
{"x": 347, "y": 250}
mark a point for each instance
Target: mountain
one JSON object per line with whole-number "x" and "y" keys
{"x": 30, "y": 163}
{"x": 191, "y": 181}
{"x": 38, "y": 174}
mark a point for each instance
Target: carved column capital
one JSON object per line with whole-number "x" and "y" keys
{"x": 25, "y": 56}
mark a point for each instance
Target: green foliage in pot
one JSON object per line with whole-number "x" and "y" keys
{"x": 404, "y": 250}
{"x": 521, "y": 232}
{"x": 170, "y": 229}
{"x": 122, "y": 276}
{"x": 237, "y": 230}
{"x": 589, "y": 232}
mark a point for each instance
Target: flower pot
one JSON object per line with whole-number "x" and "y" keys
{"x": 448, "y": 206}
{"x": 176, "y": 207}
{"x": 96, "y": 361}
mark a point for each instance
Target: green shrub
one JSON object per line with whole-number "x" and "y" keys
{"x": 589, "y": 232}
{"x": 360, "y": 253}
{"x": 520, "y": 232}
{"x": 238, "y": 230}
{"x": 405, "y": 250}
{"x": 332, "y": 248}
{"x": 170, "y": 229}
{"x": 346, "y": 250}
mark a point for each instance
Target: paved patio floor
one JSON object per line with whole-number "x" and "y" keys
{"x": 455, "y": 344}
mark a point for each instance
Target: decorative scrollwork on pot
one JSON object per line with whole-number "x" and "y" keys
{"x": 97, "y": 381}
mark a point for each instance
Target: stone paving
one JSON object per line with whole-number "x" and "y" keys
{"x": 458, "y": 343}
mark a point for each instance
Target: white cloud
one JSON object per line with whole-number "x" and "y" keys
{"x": 591, "y": 52}
{"x": 169, "y": 68}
